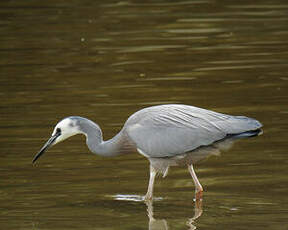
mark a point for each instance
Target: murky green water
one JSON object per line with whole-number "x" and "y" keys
{"x": 105, "y": 60}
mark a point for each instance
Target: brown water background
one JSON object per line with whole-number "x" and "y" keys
{"x": 105, "y": 60}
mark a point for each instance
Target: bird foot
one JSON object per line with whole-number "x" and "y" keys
{"x": 198, "y": 195}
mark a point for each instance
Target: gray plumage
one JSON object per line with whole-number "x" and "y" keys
{"x": 169, "y": 130}
{"x": 166, "y": 134}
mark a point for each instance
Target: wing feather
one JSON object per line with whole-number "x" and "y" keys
{"x": 168, "y": 130}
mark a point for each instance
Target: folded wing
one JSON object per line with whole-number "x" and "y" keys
{"x": 169, "y": 130}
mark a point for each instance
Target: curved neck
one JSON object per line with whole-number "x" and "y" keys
{"x": 94, "y": 139}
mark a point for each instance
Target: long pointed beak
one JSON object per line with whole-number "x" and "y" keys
{"x": 46, "y": 146}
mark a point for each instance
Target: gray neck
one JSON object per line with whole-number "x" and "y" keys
{"x": 95, "y": 141}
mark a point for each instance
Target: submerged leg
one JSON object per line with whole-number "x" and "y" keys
{"x": 198, "y": 186}
{"x": 149, "y": 193}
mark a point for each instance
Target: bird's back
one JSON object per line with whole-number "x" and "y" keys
{"x": 169, "y": 130}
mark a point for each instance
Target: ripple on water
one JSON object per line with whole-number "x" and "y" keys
{"x": 131, "y": 197}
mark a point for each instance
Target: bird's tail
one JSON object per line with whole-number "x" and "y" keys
{"x": 251, "y": 133}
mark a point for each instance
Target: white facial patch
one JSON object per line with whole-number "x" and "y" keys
{"x": 68, "y": 128}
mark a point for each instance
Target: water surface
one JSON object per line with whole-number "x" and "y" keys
{"x": 105, "y": 60}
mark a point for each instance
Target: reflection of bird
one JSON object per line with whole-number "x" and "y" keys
{"x": 167, "y": 135}
{"x": 162, "y": 224}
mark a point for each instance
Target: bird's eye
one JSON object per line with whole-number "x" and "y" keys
{"x": 58, "y": 130}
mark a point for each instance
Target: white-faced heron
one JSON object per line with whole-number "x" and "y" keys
{"x": 167, "y": 135}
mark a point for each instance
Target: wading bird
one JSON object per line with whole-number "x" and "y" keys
{"x": 168, "y": 135}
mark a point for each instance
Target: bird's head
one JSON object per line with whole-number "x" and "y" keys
{"x": 64, "y": 129}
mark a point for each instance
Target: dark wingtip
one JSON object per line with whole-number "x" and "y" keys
{"x": 252, "y": 133}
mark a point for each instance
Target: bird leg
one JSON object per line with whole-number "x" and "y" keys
{"x": 149, "y": 193}
{"x": 198, "y": 186}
